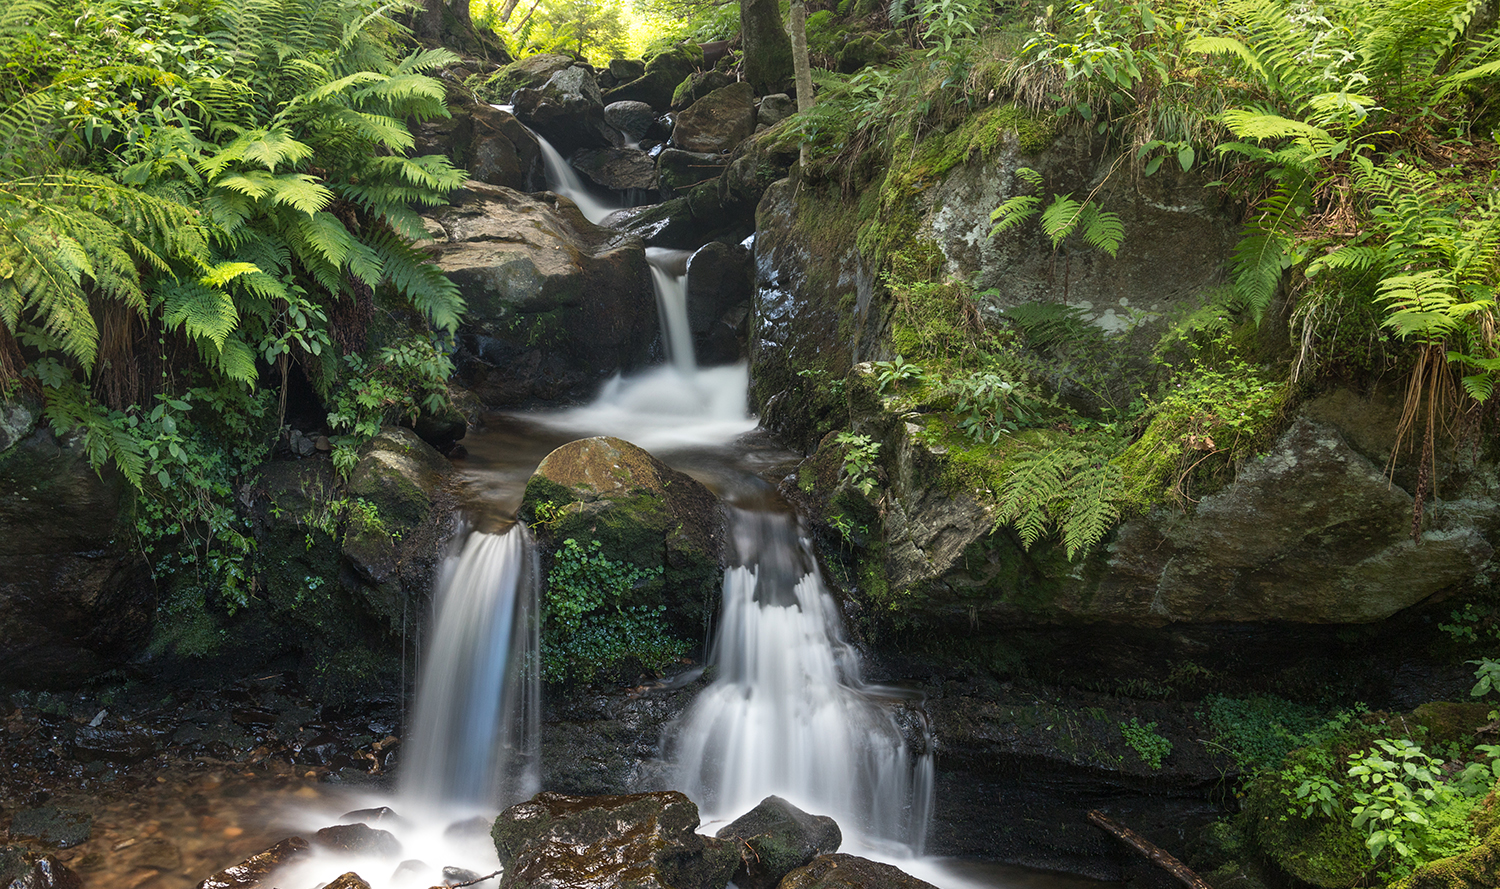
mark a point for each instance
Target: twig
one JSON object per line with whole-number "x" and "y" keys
{"x": 475, "y": 880}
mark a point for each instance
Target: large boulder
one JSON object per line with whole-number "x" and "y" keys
{"x": 775, "y": 838}
{"x": 840, "y": 871}
{"x": 75, "y": 597}
{"x": 641, "y": 511}
{"x": 664, "y": 72}
{"x": 717, "y": 122}
{"x": 528, "y": 73}
{"x": 645, "y": 840}
{"x": 719, "y": 284}
{"x": 754, "y": 164}
{"x": 556, "y": 304}
{"x": 621, "y": 169}
{"x": 490, "y": 144}
{"x": 568, "y": 110}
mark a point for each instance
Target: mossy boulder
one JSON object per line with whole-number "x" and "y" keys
{"x": 1478, "y": 868}
{"x": 717, "y": 122}
{"x": 664, "y": 72}
{"x": 528, "y": 73}
{"x": 755, "y": 163}
{"x": 76, "y": 598}
{"x": 644, "y": 840}
{"x": 766, "y": 48}
{"x": 775, "y": 838}
{"x": 642, "y": 512}
{"x": 556, "y": 304}
{"x": 620, "y": 169}
{"x": 697, "y": 85}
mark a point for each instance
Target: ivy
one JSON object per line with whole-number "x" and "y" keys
{"x": 590, "y": 625}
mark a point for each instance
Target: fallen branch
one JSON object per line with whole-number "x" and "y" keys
{"x": 1159, "y": 856}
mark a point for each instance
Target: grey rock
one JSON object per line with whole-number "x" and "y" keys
{"x": 621, "y": 169}
{"x": 680, "y": 170}
{"x": 358, "y": 839}
{"x": 626, "y": 70}
{"x": 568, "y": 110}
{"x": 632, "y": 119}
{"x": 774, "y": 109}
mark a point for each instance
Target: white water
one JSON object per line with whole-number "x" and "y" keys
{"x": 564, "y": 180}
{"x": 474, "y": 735}
{"x": 671, "y": 301}
{"x": 788, "y": 713}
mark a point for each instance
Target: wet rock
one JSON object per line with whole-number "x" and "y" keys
{"x": 568, "y": 110}
{"x": 452, "y": 876}
{"x": 645, "y": 840}
{"x": 125, "y": 743}
{"x": 633, "y": 119}
{"x": 717, "y": 122}
{"x": 46, "y": 872}
{"x": 360, "y": 839}
{"x": 555, "y": 303}
{"x": 775, "y": 108}
{"x": 720, "y": 280}
{"x": 250, "y": 872}
{"x": 668, "y": 224}
{"x": 775, "y": 838}
{"x": 75, "y": 599}
{"x": 680, "y": 170}
{"x": 397, "y": 477}
{"x": 17, "y": 420}
{"x": 52, "y": 826}
{"x": 528, "y": 73}
{"x": 379, "y": 815}
{"x": 842, "y": 871}
{"x": 490, "y": 144}
{"x": 697, "y": 85}
{"x": 663, "y": 73}
{"x": 640, "y": 510}
{"x": 349, "y": 880}
{"x": 621, "y": 169}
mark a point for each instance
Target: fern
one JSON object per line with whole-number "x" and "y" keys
{"x": 1073, "y": 490}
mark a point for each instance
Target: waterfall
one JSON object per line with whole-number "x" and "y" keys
{"x": 564, "y": 180}
{"x": 671, "y": 302}
{"x": 788, "y": 713}
{"x": 477, "y": 721}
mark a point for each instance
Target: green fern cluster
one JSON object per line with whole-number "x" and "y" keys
{"x": 237, "y": 204}
{"x": 1074, "y": 489}
{"x": 1062, "y": 217}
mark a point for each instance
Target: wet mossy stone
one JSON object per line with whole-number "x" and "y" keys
{"x": 664, "y": 72}
{"x": 641, "y": 841}
{"x": 697, "y": 85}
{"x": 398, "y": 472}
{"x": 626, "y": 70}
{"x": 840, "y": 871}
{"x": 253, "y": 870}
{"x": 776, "y": 838}
{"x": 529, "y": 73}
{"x": 641, "y": 511}
{"x": 358, "y": 839}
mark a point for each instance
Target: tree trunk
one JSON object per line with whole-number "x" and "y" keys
{"x": 507, "y": 10}
{"x": 767, "y": 49}
{"x": 800, "y": 64}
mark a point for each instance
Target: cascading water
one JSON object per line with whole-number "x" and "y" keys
{"x": 671, "y": 301}
{"x": 788, "y": 713}
{"x": 477, "y": 721}
{"x": 563, "y": 179}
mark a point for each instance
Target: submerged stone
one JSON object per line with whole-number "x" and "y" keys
{"x": 643, "y": 841}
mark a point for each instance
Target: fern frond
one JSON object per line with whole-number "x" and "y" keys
{"x": 1104, "y": 230}
{"x": 202, "y": 312}
{"x": 1061, "y": 217}
{"x": 1013, "y": 212}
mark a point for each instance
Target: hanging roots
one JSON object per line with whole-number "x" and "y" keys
{"x": 1431, "y": 396}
